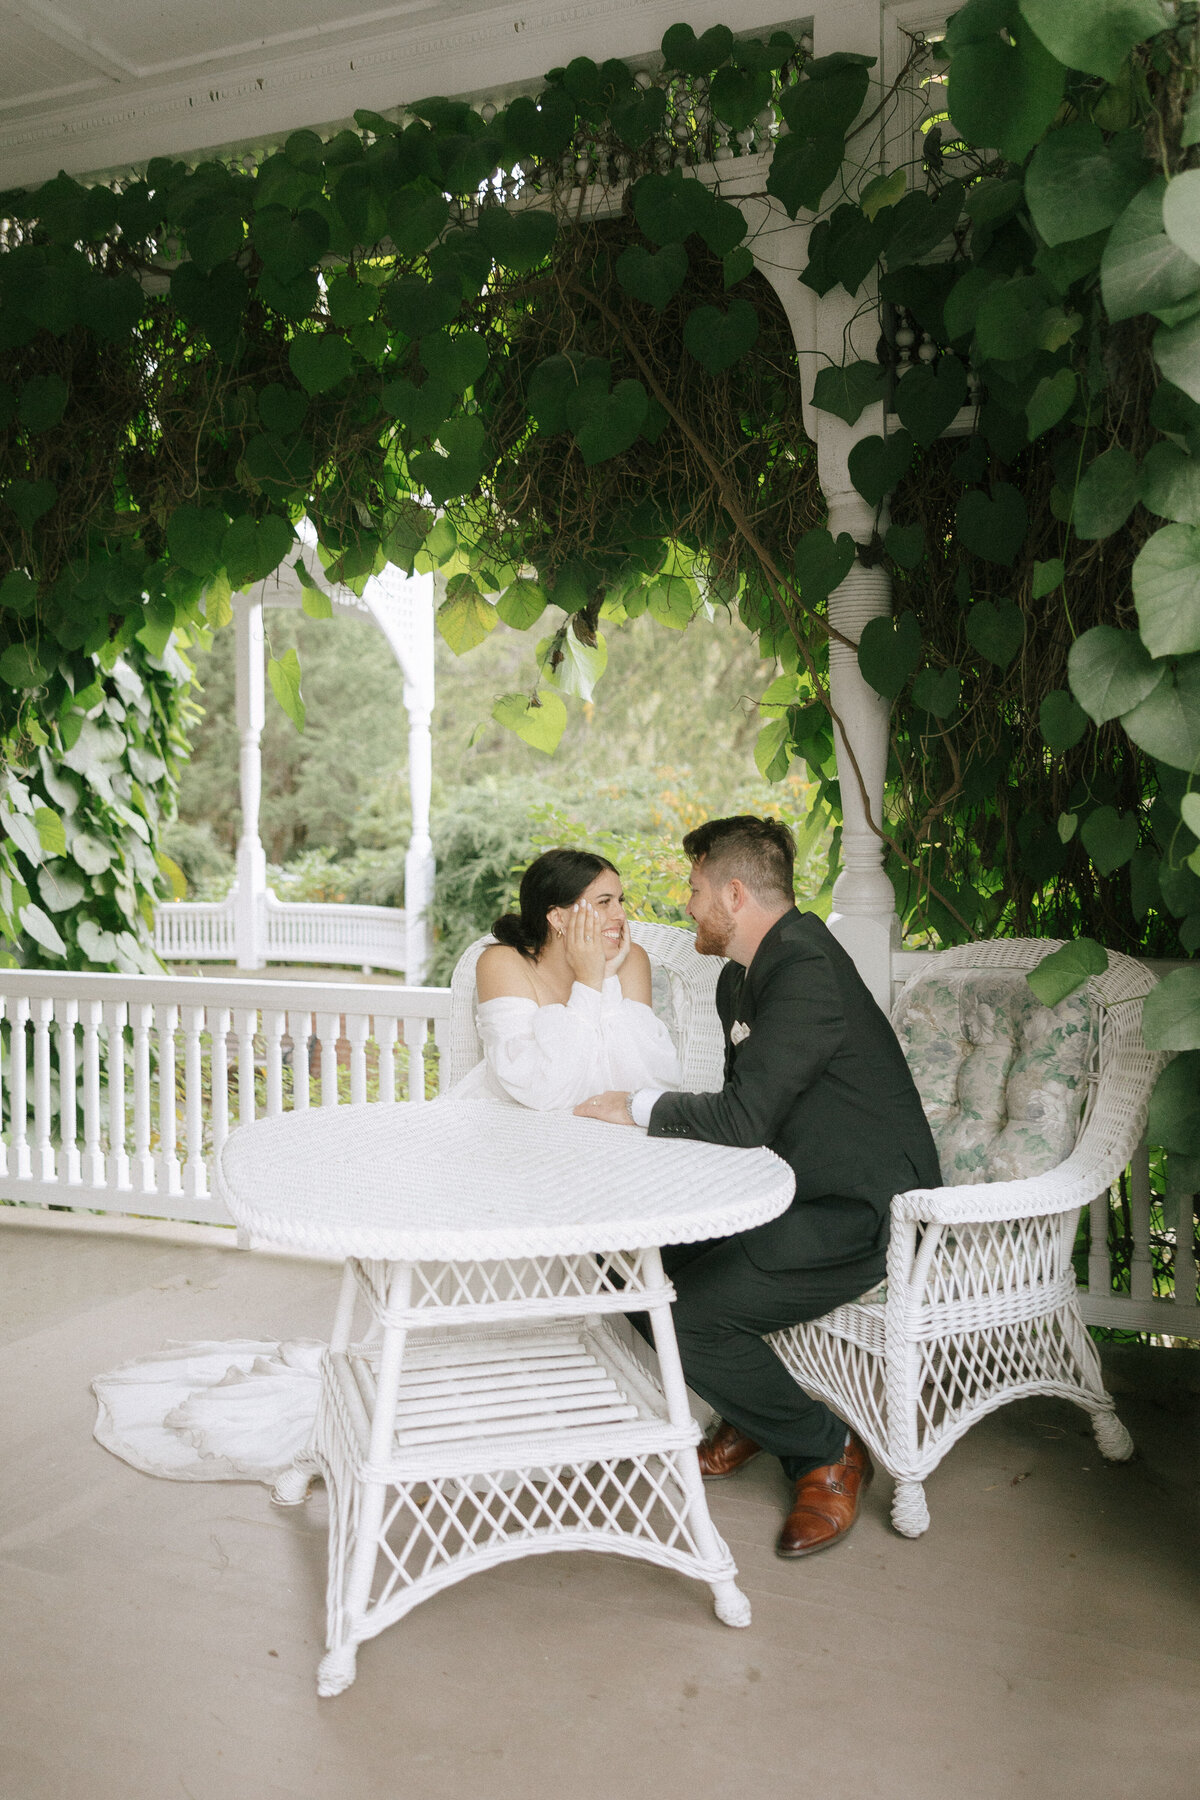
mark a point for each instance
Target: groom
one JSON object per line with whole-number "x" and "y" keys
{"x": 814, "y": 1072}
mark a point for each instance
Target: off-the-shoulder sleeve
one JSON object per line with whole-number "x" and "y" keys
{"x": 543, "y": 1056}
{"x": 640, "y": 1051}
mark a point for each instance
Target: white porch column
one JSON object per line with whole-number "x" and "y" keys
{"x": 418, "y": 861}
{"x": 250, "y": 892}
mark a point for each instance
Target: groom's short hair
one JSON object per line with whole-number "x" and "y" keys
{"x": 760, "y": 853}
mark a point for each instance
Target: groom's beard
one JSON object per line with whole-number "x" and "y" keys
{"x": 713, "y": 934}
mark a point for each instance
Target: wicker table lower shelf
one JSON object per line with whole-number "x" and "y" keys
{"x": 461, "y": 1491}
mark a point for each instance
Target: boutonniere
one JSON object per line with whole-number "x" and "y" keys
{"x": 739, "y": 1034}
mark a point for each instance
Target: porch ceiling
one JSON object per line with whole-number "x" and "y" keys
{"x": 89, "y": 89}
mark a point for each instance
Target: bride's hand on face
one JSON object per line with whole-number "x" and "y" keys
{"x": 626, "y": 945}
{"x": 584, "y": 944}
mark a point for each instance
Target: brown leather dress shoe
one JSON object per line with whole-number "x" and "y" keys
{"x": 726, "y": 1450}
{"x": 826, "y": 1502}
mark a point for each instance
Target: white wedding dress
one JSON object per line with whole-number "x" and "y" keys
{"x": 243, "y": 1410}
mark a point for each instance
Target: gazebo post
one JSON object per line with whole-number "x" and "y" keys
{"x": 249, "y": 897}
{"x": 864, "y": 918}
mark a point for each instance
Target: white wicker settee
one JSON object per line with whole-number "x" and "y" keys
{"x": 1035, "y": 1112}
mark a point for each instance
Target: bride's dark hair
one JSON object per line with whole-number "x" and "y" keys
{"x": 556, "y": 878}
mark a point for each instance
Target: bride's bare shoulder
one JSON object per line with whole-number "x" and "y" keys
{"x": 502, "y": 972}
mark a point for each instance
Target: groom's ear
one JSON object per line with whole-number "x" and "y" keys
{"x": 738, "y": 894}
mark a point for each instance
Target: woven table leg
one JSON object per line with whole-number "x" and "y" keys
{"x": 292, "y": 1486}
{"x": 729, "y": 1603}
{"x": 348, "y": 1612}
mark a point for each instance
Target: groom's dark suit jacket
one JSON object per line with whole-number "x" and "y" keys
{"x": 821, "y": 1080}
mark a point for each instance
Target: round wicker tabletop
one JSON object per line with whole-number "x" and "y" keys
{"x": 479, "y": 1179}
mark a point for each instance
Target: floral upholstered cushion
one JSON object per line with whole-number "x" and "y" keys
{"x": 1002, "y": 1077}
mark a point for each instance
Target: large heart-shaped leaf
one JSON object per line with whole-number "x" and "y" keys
{"x": 718, "y": 339}
{"x": 1110, "y": 838}
{"x": 1167, "y": 723}
{"x": 455, "y": 358}
{"x": 1111, "y": 671}
{"x": 1171, "y": 1012}
{"x": 421, "y": 410}
{"x": 42, "y": 402}
{"x": 606, "y": 424}
{"x": 876, "y": 464}
{"x": 996, "y": 629}
{"x": 846, "y": 389}
{"x": 1171, "y": 484}
{"x": 821, "y": 564}
{"x": 539, "y": 722}
{"x": 1107, "y": 493}
{"x": 571, "y": 665}
{"x": 22, "y": 667}
{"x": 280, "y": 466}
{"x": 1181, "y": 213}
{"x": 416, "y": 216}
{"x": 288, "y": 245}
{"x": 1062, "y": 719}
{"x": 521, "y": 604}
{"x": 416, "y": 306}
{"x": 682, "y": 49}
{"x": 929, "y": 397}
{"x": 668, "y": 208}
{"x": 1078, "y": 182}
{"x": 1065, "y": 970}
{"x": 654, "y": 277}
{"x": 283, "y": 673}
{"x": 638, "y": 116}
{"x": 737, "y": 96}
{"x": 253, "y": 548}
{"x": 936, "y": 691}
{"x": 281, "y": 410}
{"x": 803, "y": 170}
{"x": 319, "y": 362}
{"x": 462, "y": 459}
{"x": 464, "y": 618}
{"x": 888, "y": 652}
{"x": 196, "y": 537}
{"x": 1095, "y": 35}
{"x": 1177, "y": 352}
{"x": 1166, "y": 588}
{"x": 1141, "y": 269}
{"x": 1050, "y": 401}
{"x": 517, "y": 240}
{"x": 993, "y": 525}
{"x": 30, "y": 500}
{"x": 1003, "y": 92}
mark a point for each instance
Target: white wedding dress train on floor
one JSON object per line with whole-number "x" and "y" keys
{"x": 242, "y": 1410}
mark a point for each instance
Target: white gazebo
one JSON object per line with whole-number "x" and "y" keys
{"x": 252, "y": 926}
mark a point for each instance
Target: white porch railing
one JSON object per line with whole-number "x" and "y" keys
{"x": 118, "y": 1091}
{"x": 366, "y": 937}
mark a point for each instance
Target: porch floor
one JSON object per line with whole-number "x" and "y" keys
{"x": 160, "y": 1639}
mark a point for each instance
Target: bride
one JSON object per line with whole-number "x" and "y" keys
{"x": 562, "y": 1012}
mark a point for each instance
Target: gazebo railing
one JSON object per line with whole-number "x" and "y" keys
{"x": 118, "y": 1092}
{"x": 321, "y": 932}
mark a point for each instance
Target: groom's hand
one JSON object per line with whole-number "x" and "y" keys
{"x": 612, "y": 1108}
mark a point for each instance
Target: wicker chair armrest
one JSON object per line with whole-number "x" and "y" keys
{"x": 1073, "y": 1183}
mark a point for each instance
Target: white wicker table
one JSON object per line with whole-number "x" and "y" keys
{"x": 488, "y": 1411}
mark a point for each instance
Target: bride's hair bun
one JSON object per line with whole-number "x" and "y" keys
{"x": 556, "y": 878}
{"x": 509, "y": 930}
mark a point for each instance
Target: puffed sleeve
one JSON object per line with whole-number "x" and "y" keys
{"x": 640, "y": 1051}
{"x": 543, "y": 1056}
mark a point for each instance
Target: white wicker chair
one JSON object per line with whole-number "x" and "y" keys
{"x": 685, "y": 986}
{"x": 980, "y": 1305}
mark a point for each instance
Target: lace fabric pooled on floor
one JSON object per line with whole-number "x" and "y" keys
{"x": 234, "y": 1411}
